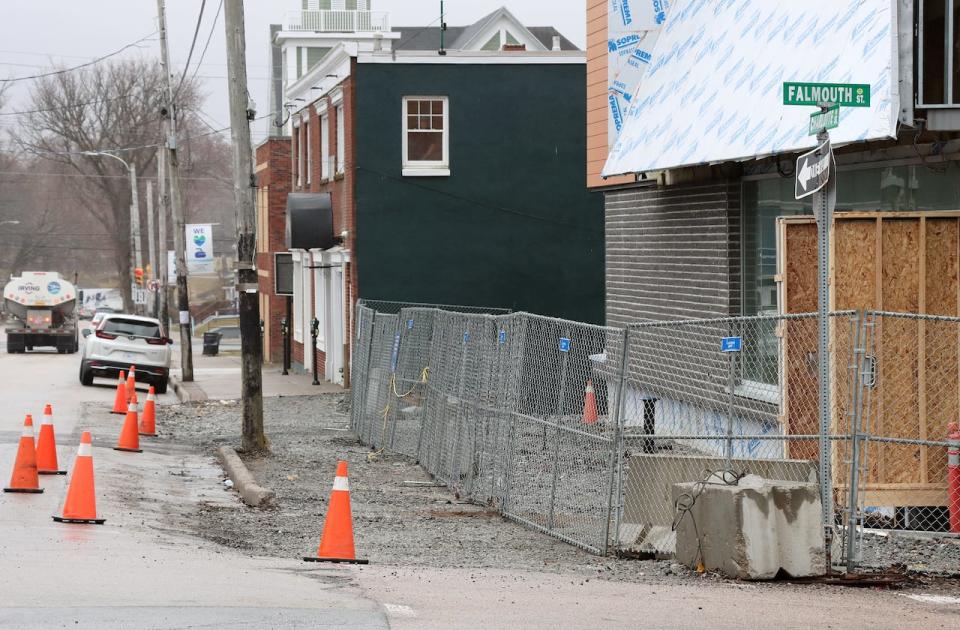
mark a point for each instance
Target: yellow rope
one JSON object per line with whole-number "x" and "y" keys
{"x": 424, "y": 375}
{"x": 385, "y": 412}
{"x": 372, "y": 457}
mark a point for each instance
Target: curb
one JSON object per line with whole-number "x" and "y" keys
{"x": 251, "y": 493}
{"x": 187, "y": 392}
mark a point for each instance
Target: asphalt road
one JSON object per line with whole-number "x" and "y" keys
{"x": 136, "y": 571}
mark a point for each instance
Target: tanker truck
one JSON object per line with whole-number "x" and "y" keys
{"x": 42, "y": 305}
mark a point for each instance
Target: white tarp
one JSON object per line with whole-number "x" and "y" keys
{"x": 713, "y": 90}
{"x": 632, "y": 28}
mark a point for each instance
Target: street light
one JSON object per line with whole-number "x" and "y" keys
{"x": 136, "y": 260}
{"x": 10, "y": 222}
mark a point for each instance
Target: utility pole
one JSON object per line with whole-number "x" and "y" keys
{"x": 152, "y": 246}
{"x": 251, "y": 349}
{"x": 164, "y": 203}
{"x": 135, "y": 216}
{"x": 176, "y": 206}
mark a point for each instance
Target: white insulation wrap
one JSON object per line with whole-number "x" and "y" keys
{"x": 713, "y": 89}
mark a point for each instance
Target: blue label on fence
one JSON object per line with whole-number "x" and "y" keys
{"x": 502, "y": 337}
{"x": 466, "y": 337}
{"x": 564, "y": 344}
{"x": 731, "y": 344}
{"x": 409, "y": 324}
{"x": 396, "y": 353}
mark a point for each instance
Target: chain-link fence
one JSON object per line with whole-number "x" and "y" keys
{"x": 496, "y": 407}
{"x": 737, "y": 394}
{"x": 910, "y": 404}
{"x": 581, "y": 431}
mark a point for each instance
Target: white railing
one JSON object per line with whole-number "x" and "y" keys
{"x": 338, "y": 21}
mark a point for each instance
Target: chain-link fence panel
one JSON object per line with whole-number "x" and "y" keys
{"x": 562, "y": 454}
{"x": 501, "y": 367}
{"x": 378, "y": 395}
{"x": 408, "y": 379}
{"x": 360, "y": 367}
{"x": 911, "y": 381}
{"x": 736, "y": 394}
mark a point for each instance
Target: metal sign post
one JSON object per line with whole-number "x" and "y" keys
{"x": 731, "y": 346}
{"x": 815, "y": 175}
{"x": 824, "y": 202}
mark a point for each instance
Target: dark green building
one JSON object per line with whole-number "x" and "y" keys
{"x": 450, "y": 166}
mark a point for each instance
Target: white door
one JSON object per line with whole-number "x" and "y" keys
{"x": 335, "y": 332}
{"x": 307, "y": 315}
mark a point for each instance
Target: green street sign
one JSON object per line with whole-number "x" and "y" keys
{"x": 845, "y": 94}
{"x": 824, "y": 120}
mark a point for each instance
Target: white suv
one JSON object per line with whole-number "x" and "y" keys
{"x": 120, "y": 341}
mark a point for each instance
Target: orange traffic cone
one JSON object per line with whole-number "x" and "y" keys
{"x": 589, "y": 404}
{"x": 25, "y": 477}
{"x": 129, "y": 435}
{"x": 80, "y": 505}
{"x": 120, "y": 401}
{"x": 336, "y": 543}
{"x": 148, "y": 419}
{"x": 131, "y": 382}
{"x": 47, "y": 446}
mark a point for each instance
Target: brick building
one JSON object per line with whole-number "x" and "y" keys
{"x": 418, "y": 185}
{"x": 272, "y": 159}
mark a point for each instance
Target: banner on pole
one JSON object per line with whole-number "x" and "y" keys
{"x": 199, "y": 247}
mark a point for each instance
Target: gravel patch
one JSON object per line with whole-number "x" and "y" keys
{"x": 394, "y": 524}
{"x": 419, "y": 526}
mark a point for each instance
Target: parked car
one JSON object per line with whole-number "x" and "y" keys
{"x": 120, "y": 341}
{"x": 100, "y": 313}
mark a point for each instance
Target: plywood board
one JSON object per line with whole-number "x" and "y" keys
{"x": 899, "y": 350}
{"x": 799, "y": 269}
{"x": 854, "y": 265}
{"x": 941, "y": 340}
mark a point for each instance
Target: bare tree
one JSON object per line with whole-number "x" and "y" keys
{"x": 111, "y": 107}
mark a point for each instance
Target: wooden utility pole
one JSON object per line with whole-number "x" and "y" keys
{"x": 164, "y": 203}
{"x": 169, "y": 123}
{"x": 251, "y": 348}
{"x": 151, "y": 248}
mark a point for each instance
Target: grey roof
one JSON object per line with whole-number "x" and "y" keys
{"x": 545, "y": 35}
{"x": 428, "y": 37}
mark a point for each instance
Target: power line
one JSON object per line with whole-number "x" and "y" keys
{"x": 186, "y": 66}
{"x": 83, "y": 65}
{"x": 206, "y": 45}
{"x": 91, "y": 176}
{"x": 56, "y": 109}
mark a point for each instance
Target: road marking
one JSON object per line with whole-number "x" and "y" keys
{"x": 399, "y": 610}
{"x": 935, "y": 599}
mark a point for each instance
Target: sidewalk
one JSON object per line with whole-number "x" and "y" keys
{"x": 218, "y": 378}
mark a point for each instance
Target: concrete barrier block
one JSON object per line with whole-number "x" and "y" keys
{"x": 752, "y": 530}
{"x": 252, "y": 493}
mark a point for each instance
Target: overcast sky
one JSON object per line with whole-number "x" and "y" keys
{"x": 34, "y": 35}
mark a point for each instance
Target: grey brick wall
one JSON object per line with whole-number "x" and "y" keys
{"x": 673, "y": 252}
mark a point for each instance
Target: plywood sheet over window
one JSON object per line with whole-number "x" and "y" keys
{"x": 894, "y": 262}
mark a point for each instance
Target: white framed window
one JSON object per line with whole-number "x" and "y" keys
{"x": 341, "y": 145}
{"x": 309, "y": 151}
{"x": 426, "y": 136}
{"x": 325, "y": 147}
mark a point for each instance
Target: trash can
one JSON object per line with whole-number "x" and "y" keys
{"x": 211, "y": 344}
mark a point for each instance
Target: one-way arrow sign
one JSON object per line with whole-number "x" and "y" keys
{"x": 813, "y": 171}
